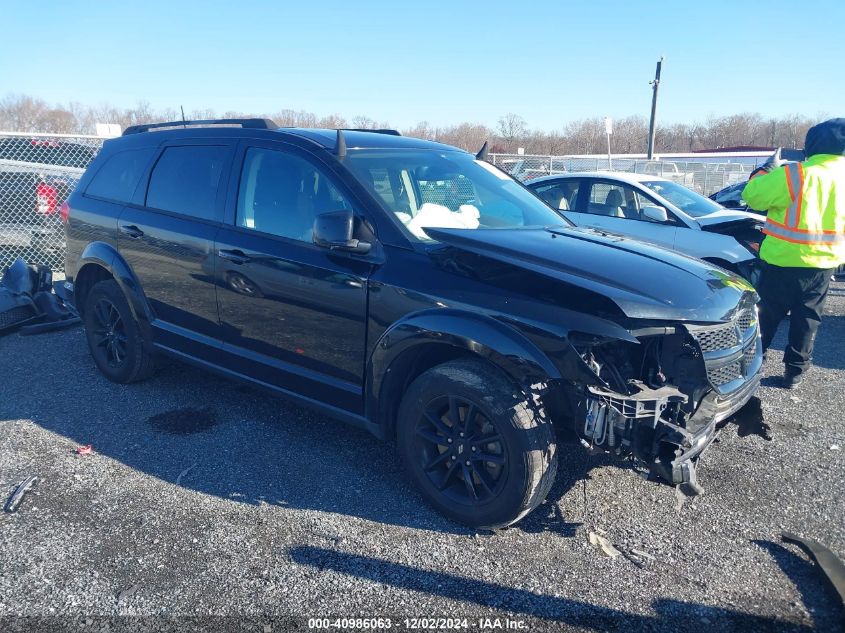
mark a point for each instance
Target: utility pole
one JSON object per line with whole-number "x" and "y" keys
{"x": 651, "y": 127}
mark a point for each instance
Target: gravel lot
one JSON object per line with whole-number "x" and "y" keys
{"x": 205, "y": 498}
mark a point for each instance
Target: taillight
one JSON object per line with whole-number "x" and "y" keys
{"x": 64, "y": 211}
{"x": 45, "y": 199}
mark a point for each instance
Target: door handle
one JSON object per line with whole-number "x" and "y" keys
{"x": 131, "y": 230}
{"x": 234, "y": 256}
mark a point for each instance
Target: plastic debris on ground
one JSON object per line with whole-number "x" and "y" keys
{"x": 29, "y": 303}
{"x": 19, "y": 492}
{"x": 604, "y": 545}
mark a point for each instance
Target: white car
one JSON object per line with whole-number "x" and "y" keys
{"x": 659, "y": 211}
{"x": 664, "y": 169}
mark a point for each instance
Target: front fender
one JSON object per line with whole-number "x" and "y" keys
{"x": 106, "y": 256}
{"x": 478, "y": 334}
{"x": 710, "y": 245}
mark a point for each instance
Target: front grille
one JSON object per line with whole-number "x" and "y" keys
{"x": 749, "y": 353}
{"x": 718, "y": 338}
{"x": 15, "y": 315}
{"x": 737, "y": 340}
{"x": 746, "y": 319}
{"x": 723, "y": 375}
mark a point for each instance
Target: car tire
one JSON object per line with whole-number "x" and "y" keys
{"x": 115, "y": 341}
{"x": 503, "y": 465}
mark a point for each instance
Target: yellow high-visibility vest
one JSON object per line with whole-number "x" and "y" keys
{"x": 805, "y": 225}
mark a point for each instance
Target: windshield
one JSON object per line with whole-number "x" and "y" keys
{"x": 686, "y": 200}
{"x": 425, "y": 188}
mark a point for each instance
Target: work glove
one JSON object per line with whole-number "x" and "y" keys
{"x": 774, "y": 161}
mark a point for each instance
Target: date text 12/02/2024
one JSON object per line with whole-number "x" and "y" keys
{"x": 419, "y": 624}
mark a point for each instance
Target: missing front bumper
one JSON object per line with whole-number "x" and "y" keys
{"x": 638, "y": 425}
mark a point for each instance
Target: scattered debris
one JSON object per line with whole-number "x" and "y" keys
{"x": 680, "y": 499}
{"x": 127, "y": 593}
{"x": 84, "y": 450}
{"x": 28, "y": 300}
{"x": 183, "y": 473}
{"x": 830, "y": 563}
{"x": 642, "y": 554}
{"x": 606, "y": 546}
{"x": 634, "y": 559}
{"x": 795, "y": 399}
{"x": 19, "y": 492}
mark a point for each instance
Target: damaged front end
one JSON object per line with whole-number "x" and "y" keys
{"x": 660, "y": 400}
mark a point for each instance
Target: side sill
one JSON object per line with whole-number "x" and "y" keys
{"x": 352, "y": 419}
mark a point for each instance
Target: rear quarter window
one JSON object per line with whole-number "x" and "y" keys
{"x": 185, "y": 180}
{"x": 117, "y": 179}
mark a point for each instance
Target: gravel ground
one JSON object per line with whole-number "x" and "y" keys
{"x": 205, "y": 498}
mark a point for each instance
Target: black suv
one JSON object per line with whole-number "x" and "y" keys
{"x": 412, "y": 289}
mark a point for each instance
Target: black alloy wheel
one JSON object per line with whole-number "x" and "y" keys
{"x": 462, "y": 453}
{"x": 115, "y": 340}
{"x": 477, "y": 447}
{"x": 110, "y": 333}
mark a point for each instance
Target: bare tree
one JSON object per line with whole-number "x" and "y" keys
{"x": 512, "y": 128}
{"x": 23, "y": 113}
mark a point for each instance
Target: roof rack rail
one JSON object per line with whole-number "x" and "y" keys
{"x": 376, "y": 131}
{"x": 257, "y": 124}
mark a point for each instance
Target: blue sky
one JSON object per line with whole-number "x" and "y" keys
{"x": 444, "y": 62}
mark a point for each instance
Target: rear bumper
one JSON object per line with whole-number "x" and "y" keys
{"x": 47, "y": 233}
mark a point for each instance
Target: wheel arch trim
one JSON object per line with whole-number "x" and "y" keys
{"x": 107, "y": 257}
{"x": 458, "y": 331}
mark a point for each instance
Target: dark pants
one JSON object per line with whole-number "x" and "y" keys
{"x": 802, "y": 292}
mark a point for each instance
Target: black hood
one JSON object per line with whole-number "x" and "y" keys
{"x": 827, "y": 137}
{"x": 644, "y": 281}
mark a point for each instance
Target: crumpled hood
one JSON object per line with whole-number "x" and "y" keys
{"x": 644, "y": 281}
{"x": 727, "y": 216}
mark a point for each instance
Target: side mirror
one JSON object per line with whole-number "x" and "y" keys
{"x": 654, "y": 213}
{"x": 333, "y": 230}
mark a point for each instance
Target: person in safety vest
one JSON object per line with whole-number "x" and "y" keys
{"x": 804, "y": 243}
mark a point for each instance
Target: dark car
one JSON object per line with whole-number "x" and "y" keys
{"x": 36, "y": 176}
{"x": 414, "y": 290}
{"x": 731, "y": 197}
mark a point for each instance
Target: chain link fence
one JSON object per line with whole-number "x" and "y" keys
{"x": 37, "y": 174}
{"x": 705, "y": 177}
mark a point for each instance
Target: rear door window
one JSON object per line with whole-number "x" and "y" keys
{"x": 186, "y": 179}
{"x": 117, "y": 178}
{"x": 561, "y": 195}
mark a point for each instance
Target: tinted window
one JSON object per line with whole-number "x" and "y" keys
{"x": 281, "y": 194}
{"x": 185, "y": 180}
{"x": 119, "y": 175}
